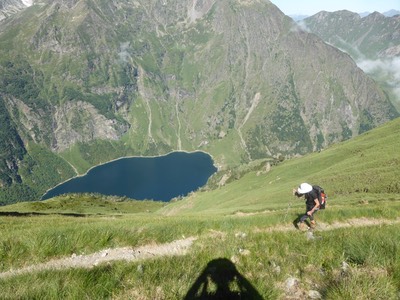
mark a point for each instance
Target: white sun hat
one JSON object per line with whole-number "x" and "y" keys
{"x": 304, "y": 188}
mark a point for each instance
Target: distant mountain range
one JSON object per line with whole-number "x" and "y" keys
{"x": 372, "y": 41}
{"x": 389, "y": 13}
{"x": 371, "y": 37}
{"x": 86, "y": 81}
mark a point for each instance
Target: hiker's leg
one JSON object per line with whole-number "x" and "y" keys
{"x": 302, "y": 225}
{"x": 303, "y": 218}
{"x": 313, "y": 224}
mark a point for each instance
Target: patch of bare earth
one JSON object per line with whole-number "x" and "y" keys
{"x": 175, "y": 248}
{"x": 358, "y": 222}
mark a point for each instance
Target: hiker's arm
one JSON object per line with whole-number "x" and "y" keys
{"x": 316, "y": 201}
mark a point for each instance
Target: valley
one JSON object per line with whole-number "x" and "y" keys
{"x": 85, "y": 82}
{"x": 93, "y": 246}
{"x": 142, "y": 79}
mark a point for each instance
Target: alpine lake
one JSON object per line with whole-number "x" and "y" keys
{"x": 160, "y": 178}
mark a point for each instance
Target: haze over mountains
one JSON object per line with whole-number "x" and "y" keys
{"x": 372, "y": 41}
{"x": 373, "y": 36}
{"x": 389, "y": 13}
{"x": 85, "y": 81}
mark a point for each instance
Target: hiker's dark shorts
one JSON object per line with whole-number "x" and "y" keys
{"x": 305, "y": 216}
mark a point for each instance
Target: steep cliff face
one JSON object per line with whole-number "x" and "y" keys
{"x": 81, "y": 122}
{"x": 10, "y": 7}
{"x": 12, "y": 149}
{"x": 234, "y": 78}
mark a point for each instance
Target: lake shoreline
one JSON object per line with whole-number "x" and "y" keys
{"x": 125, "y": 157}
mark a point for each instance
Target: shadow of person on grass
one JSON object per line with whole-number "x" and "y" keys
{"x": 221, "y": 280}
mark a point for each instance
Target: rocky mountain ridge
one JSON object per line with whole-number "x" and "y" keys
{"x": 374, "y": 36}
{"x": 372, "y": 41}
{"x": 389, "y": 13}
{"x": 10, "y": 7}
{"x": 91, "y": 80}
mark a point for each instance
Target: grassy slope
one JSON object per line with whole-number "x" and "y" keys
{"x": 83, "y": 205}
{"x": 364, "y": 167}
{"x": 265, "y": 258}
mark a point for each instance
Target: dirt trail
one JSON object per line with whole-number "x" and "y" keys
{"x": 178, "y": 247}
{"x": 175, "y": 248}
{"x": 359, "y": 222}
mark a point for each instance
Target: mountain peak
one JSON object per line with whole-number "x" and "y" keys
{"x": 375, "y": 16}
{"x": 391, "y": 13}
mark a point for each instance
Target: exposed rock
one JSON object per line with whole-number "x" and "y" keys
{"x": 240, "y": 235}
{"x": 291, "y": 285}
{"x": 10, "y": 7}
{"x": 81, "y": 122}
{"x": 314, "y": 295}
{"x": 244, "y": 252}
{"x": 345, "y": 268}
{"x": 275, "y": 267}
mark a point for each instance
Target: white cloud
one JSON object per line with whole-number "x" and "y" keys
{"x": 387, "y": 69}
{"x": 303, "y": 26}
{"x": 27, "y": 2}
{"x": 124, "y": 54}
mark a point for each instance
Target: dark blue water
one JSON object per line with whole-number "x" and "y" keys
{"x": 158, "y": 178}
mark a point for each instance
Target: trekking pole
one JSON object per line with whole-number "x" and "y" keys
{"x": 289, "y": 205}
{"x": 287, "y": 211}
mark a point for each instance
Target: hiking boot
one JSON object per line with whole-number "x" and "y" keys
{"x": 313, "y": 224}
{"x": 302, "y": 226}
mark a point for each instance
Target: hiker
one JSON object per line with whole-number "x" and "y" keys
{"x": 312, "y": 204}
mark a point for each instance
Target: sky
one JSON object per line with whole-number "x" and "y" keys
{"x": 311, "y": 7}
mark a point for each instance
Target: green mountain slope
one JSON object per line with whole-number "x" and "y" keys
{"x": 88, "y": 246}
{"x": 91, "y": 80}
{"x": 366, "y": 167}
